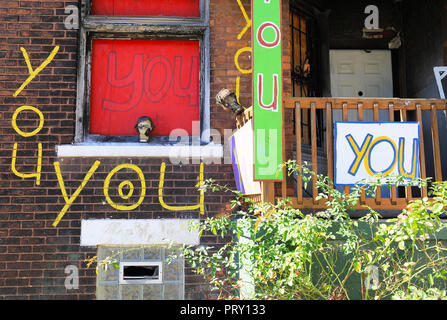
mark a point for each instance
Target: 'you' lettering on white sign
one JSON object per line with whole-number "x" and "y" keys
{"x": 366, "y": 149}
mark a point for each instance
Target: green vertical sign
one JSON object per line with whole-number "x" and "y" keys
{"x": 267, "y": 89}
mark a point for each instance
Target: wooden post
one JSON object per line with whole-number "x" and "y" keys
{"x": 313, "y": 119}
{"x": 329, "y": 142}
{"x": 436, "y": 146}
{"x": 376, "y": 119}
{"x": 422, "y": 148}
{"x": 345, "y": 118}
{"x": 268, "y": 191}
{"x": 391, "y": 119}
{"x": 360, "y": 118}
{"x": 299, "y": 161}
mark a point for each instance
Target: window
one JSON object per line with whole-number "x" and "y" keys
{"x": 134, "y": 78}
{"x": 143, "y": 58}
{"x": 183, "y": 8}
{"x": 305, "y": 67}
{"x": 146, "y": 272}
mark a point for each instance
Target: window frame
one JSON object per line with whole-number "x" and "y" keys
{"x": 140, "y": 28}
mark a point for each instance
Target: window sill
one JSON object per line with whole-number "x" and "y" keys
{"x": 126, "y": 150}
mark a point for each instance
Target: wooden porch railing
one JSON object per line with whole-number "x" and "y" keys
{"x": 352, "y": 109}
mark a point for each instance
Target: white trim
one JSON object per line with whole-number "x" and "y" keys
{"x": 137, "y": 232}
{"x": 210, "y": 151}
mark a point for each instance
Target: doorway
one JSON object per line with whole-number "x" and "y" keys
{"x": 361, "y": 73}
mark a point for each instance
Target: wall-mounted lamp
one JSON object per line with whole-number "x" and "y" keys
{"x": 228, "y": 101}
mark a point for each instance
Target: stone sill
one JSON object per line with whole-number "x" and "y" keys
{"x": 126, "y": 150}
{"x": 138, "y": 232}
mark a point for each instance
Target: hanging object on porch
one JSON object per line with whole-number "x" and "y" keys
{"x": 241, "y": 147}
{"x": 395, "y": 43}
{"x": 387, "y": 33}
{"x": 267, "y": 89}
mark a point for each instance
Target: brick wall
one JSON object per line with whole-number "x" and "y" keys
{"x": 33, "y": 253}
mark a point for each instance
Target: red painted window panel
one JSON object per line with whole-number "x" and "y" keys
{"x": 134, "y": 78}
{"x": 177, "y": 8}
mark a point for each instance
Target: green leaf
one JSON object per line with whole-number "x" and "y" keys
{"x": 402, "y": 245}
{"x": 357, "y": 266}
{"x": 430, "y": 279}
{"x": 437, "y": 208}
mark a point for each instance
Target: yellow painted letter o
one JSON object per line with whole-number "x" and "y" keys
{"x": 390, "y": 169}
{"x": 27, "y": 134}
{"x": 128, "y": 183}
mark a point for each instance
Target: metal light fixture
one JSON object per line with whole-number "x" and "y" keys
{"x": 228, "y": 101}
{"x": 145, "y": 126}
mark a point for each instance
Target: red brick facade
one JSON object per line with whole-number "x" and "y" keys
{"x": 33, "y": 252}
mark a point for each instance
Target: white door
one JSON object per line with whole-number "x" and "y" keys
{"x": 360, "y": 73}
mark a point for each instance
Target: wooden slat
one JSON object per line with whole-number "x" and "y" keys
{"x": 422, "y": 147}
{"x": 409, "y": 104}
{"x": 445, "y": 112}
{"x": 370, "y": 202}
{"x": 329, "y": 142}
{"x": 408, "y": 192}
{"x": 435, "y": 140}
{"x": 391, "y": 119}
{"x": 299, "y": 161}
{"x": 345, "y": 111}
{"x": 313, "y": 127}
{"x": 284, "y": 187}
{"x": 360, "y": 118}
{"x": 376, "y": 118}
{"x": 360, "y": 111}
{"x": 308, "y": 107}
{"x": 268, "y": 191}
{"x": 376, "y": 111}
{"x": 345, "y": 118}
{"x": 284, "y": 170}
{"x": 305, "y": 124}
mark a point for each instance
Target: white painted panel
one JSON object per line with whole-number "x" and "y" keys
{"x": 345, "y": 68}
{"x": 346, "y": 91}
{"x": 373, "y": 90}
{"x": 372, "y": 68}
{"x": 137, "y": 232}
{"x": 363, "y": 149}
{"x": 242, "y": 144}
{"x": 210, "y": 151}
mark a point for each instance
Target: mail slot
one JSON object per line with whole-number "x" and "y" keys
{"x": 140, "y": 272}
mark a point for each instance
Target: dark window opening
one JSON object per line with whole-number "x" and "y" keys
{"x": 305, "y": 68}
{"x": 141, "y": 272}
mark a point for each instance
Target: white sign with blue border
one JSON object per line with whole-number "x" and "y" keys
{"x": 364, "y": 150}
